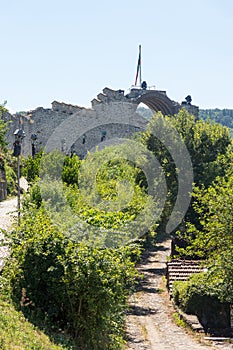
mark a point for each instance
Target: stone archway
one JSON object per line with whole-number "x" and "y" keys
{"x": 158, "y": 101}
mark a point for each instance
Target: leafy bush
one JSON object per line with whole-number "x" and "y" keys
{"x": 53, "y": 163}
{"x": 198, "y": 292}
{"x": 80, "y": 287}
{"x": 70, "y": 170}
{"x": 33, "y": 197}
{"x": 108, "y": 198}
{"x": 31, "y": 167}
{"x": 3, "y": 129}
{"x": 200, "y": 296}
{"x": 188, "y": 295}
{"x": 11, "y": 178}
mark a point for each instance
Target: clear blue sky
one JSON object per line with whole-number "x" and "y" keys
{"x": 70, "y": 50}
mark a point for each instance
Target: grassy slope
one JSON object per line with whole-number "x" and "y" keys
{"x": 17, "y": 333}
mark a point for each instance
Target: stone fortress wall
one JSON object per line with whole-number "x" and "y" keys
{"x": 113, "y": 115}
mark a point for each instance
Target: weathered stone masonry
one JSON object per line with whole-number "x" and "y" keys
{"x": 113, "y": 115}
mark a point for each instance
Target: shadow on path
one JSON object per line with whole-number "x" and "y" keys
{"x": 149, "y": 323}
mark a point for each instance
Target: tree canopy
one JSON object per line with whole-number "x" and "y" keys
{"x": 206, "y": 143}
{"x": 3, "y": 128}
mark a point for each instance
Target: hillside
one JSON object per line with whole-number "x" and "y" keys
{"x": 221, "y": 116}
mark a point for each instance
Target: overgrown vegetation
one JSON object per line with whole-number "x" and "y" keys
{"x": 7, "y": 162}
{"x": 76, "y": 283}
{"x": 72, "y": 262}
{"x": 208, "y": 227}
{"x": 206, "y": 232}
{"x": 207, "y": 145}
{"x": 77, "y": 287}
{"x": 17, "y": 333}
{"x": 216, "y": 115}
{"x": 212, "y": 240}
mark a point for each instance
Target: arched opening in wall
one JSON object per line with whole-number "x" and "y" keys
{"x": 158, "y": 101}
{"x": 144, "y": 111}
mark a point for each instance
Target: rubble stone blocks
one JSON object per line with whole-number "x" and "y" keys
{"x": 113, "y": 112}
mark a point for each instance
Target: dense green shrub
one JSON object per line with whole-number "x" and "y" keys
{"x": 53, "y": 163}
{"x": 70, "y": 170}
{"x": 33, "y": 197}
{"x": 80, "y": 287}
{"x": 11, "y": 179}
{"x": 106, "y": 198}
{"x": 201, "y": 296}
{"x": 31, "y": 167}
{"x": 3, "y": 129}
{"x": 7, "y": 162}
{"x": 188, "y": 295}
{"x": 198, "y": 292}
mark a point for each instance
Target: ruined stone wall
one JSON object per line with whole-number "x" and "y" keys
{"x": 113, "y": 114}
{"x": 105, "y": 133}
{"x": 66, "y": 122}
{"x": 114, "y": 119}
{"x": 41, "y": 122}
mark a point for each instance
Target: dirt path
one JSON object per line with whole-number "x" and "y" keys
{"x": 8, "y": 208}
{"x": 8, "y": 212}
{"x": 150, "y": 325}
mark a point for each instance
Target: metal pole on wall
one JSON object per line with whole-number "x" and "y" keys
{"x": 18, "y": 175}
{"x": 19, "y": 135}
{"x": 33, "y": 140}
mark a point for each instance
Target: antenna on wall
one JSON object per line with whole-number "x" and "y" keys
{"x": 139, "y": 69}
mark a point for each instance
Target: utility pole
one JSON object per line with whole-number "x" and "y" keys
{"x": 19, "y": 136}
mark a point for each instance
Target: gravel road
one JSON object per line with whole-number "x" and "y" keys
{"x": 150, "y": 325}
{"x": 8, "y": 212}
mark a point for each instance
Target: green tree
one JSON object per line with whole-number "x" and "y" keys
{"x": 213, "y": 241}
{"x": 31, "y": 167}
{"x": 206, "y": 143}
{"x": 70, "y": 170}
{"x": 6, "y": 160}
{"x": 3, "y": 128}
{"x": 221, "y": 116}
{"x": 214, "y": 207}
